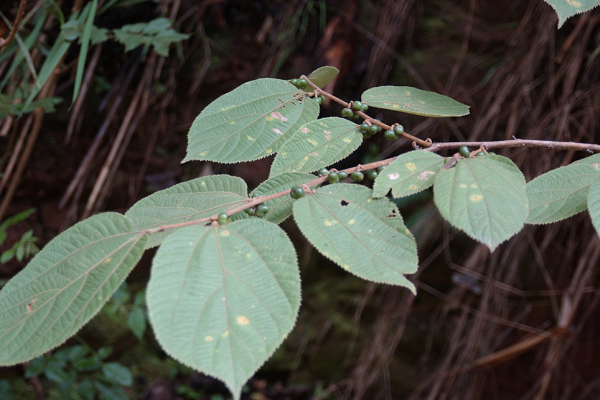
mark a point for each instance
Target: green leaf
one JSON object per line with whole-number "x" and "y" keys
{"x": 157, "y": 33}
{"x": 86, "y": 390}
{"x": 104, "y": 352}
{"x": 5, "y": 391}
{"x": 222, "y": 299}
{"x": 410, "y": 173}
{"x": 110, "y": 391}
{"x": 136, "y": 320}
{"x": 281, "y": 208}
{"x": 117, "y": 373}
{"x": 65, "y": 285}
{"x": 560, "y": 193}
{"x": 316, "y": 145}
{"x": 594, "y": 204}
{"x": 567, "y": 8}
{"x": 413, "y": 101}
{"x": 77, "y": 352}
{"x": 484, "y": 197}
{"x": 591, "y": 160}
{"x": 322, "y": 76}
{"x": 188, "y": 201}
{"x": 85, "y": 44}
{"x": 250, "y": 122}
{"x": 88, "y": 364}
{"x": 364, "y": 236}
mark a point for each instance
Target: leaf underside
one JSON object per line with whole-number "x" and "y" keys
{"x": 187, "y": 201}
{"x": 365, "y": 236}
{"x": 317, "y": 145}
{"x": 66, "y": 284}
{"x": 410, "y": 173}
{"x": 594, "y": 204}
{"x": 568, "y": 8}
{"x": 560, "y": 193}
{"x": 250, "y": 122}
{"x": 323, "y": 75}
{"x": 484, "y": 197}
{"x": 413, "y": 101}
{"x": 222, "y": 299}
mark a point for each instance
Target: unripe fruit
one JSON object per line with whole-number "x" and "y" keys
{"x": 390, "y": 136}
{"x": 347, "y": 113}
{"x": 333, "y": 177}
{"x": 373, "y": 129}
{"x": 320, "y": 99}
{"x": 464, "y": 151}
{"x": 297, "y": 192}
{"x": 323, "y": 171}
{"x": 372, "y": 174}
{"x": 357, "y": 105}
{"x": 343, "y": 175}
{"x": 294, "y": 82}
{"x": 301, "y": 83}
{"x": 481, "y": 153}
{"x": 364, "y": 108}
{"x": 381, "y": 168}
{"x": 364, "y": 127}
{"x": 399, "y": 130}
{"x": 251, "y": 211}
{"x": 262, "y": 210}
{"x": 491, "y": 153}
{"x": 223, "y": 218}
{"x": 357, "y": 176}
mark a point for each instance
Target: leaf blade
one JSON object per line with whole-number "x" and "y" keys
{"x": 413, "y": 101}
{"x": 323, "y": 75}
{"x": 568, "y": 8}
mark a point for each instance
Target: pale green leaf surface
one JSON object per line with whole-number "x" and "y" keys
{"x": 364, "y": 236}
{"x": 317, "y": 145}
{"x": 567, "y": 8}
{"x": 594, "y": 204}
{"x": 413, "y": 101}
{"x": 65, "y": 285}
{"x": 187, "y": 201}
{"x": 560, "y": 193}
{"x": 410, "y": 173}
{"x": 250, "y": 122}
{"x": 591, "y": 160}
{"x": 322, "y": 76}
{"x": 222, "y": 299}
{"x": 484, "y": 197}
{"x": 281, "y": 207}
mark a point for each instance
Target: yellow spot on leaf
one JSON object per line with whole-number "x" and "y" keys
{"x": 225, "y": 334}
{"x": 232, "y": 123}
{"x": 396, "y": 106}
{"x": 407, "y": 92}
{"x": 208, "y": 338}
{"x": 413, "y": 187}
{"x": 107, "y": 260}
{"x": 411, "y": 166}
{"x": 462, "y": 186}
{"x": 242, "y": 320}
{"x": 268, "y": 151}
{"x": 351, "y": 221}
{"x": 202, "y": 183}
{"x": 476, "y": 197}
{"x": 574, "y": 3}
{"x": 270, "y": 118}
{"x": 203, "y": 154}
{"x": 250, "y": 138}
{"x": 346, "y": 267}
{"x": 312, "y": 142}
{"x": 224, "y": 233}
{"x": 330, "y": 223}
{"x": 473, "y": 185}
{"x": 346, "y": 140}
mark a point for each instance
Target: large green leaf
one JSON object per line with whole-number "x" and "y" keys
{"x": 250, "y": 122}
{"x": 317, "y": 145}
{"x": 365, "y": 236}
{"x": 65, "y": 285}
{"x": 484, "y": 197}
{"x": 322, "y": 76}
{"x": 594, "y": 204}
{"x": 414, "y": 101}
{"x": 408, "y": 174}
{"x": 222, "y": 299}
{"x": 281, "y": 207}
{"x": 187, "y": 201}
{"x": 567, "y": 8}
{"x": 560, "y": 193}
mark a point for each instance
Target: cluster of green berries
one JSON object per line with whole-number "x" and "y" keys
{"x": 464, "y": 151}
{"x": 356, "y": 106}
{"x": 320, "y": 99}
{"x": 368, "y": 130}
{"x": 299, "y": 83}
{"x": 393, "y": 134}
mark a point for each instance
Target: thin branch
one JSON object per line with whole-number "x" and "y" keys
{"x": 15, "y": 27}
{"x": 503, "y": 144}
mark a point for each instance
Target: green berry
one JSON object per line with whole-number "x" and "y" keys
{"x": 301, "y": 83}
{"x": 399, "y": 130}
{"x": 381, "y": 168}
{"x": 333, "y": 177}
{"x": 223, "y": 218}
{"x": 320, "y": 99}
{"x": 355, "y": 116}
{"x": 357, "y": 176}
{"x": 347, "y": 113}
{"x": 364, "y": 127}
{"x": 343, "y": 175}
{"x": 374, "y": 129}
{"x": 390, "y": 136}
{"x": 481, "y": 153}
{"x": 372, "y": 174}
{"x": 357, "y": 105}
{"x": 491, "y": 153}
{"x": 378, "y": 127}
{"x": 262, "y": 210}
{"x": 297, "y": 192}
{"x": 464, "y": 151}
{"x": 251, "y": 211}
{"x": 294, "y": 82}
{"x": 323, "y": 171}
{"x": 364, "y": 108}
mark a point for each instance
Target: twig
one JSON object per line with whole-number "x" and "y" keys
{"x": 503, "y": 144}
{"x": 15, "y": 27}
